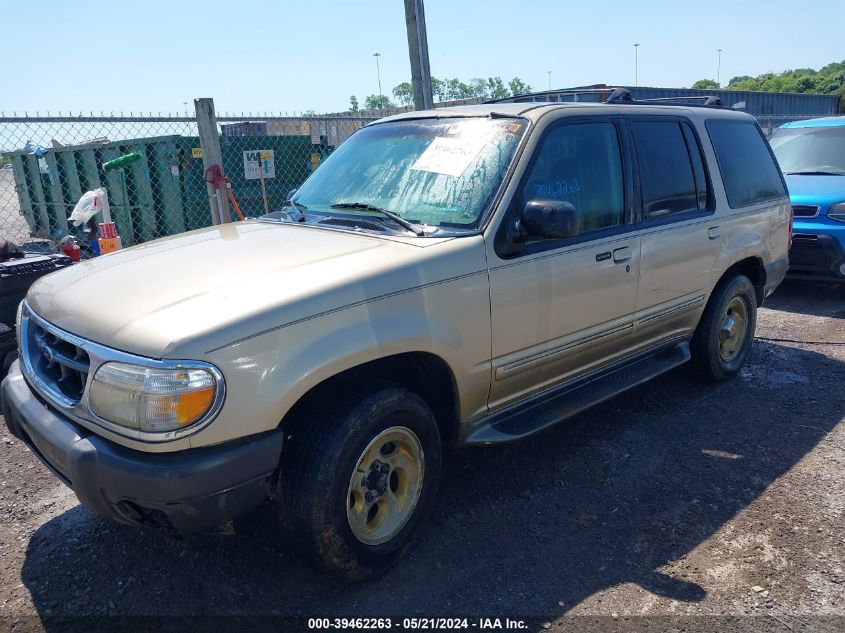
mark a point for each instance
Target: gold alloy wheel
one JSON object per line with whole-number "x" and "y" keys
{"x": 733, "y": 329}
{"x": 385, "y": 485}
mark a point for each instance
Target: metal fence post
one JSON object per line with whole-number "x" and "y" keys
{"x": 211, "y": 156}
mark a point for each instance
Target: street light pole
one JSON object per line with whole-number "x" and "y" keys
{"x": 636, "y": 64}
{"x": 719, "y": 67}
{"x": 378, "y": 72}
{"x": 550, "y": 79}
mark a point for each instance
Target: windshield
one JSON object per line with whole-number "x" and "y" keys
{"x": 435, "y": 172}
{"x": 810, "y": 149}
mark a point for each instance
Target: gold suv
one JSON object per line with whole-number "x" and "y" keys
{"x": 460, "y": 276}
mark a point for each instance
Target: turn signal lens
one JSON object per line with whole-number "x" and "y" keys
{"x": 152, "y": 400}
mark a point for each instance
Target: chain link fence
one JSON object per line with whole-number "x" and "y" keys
{"x": 770, "y": 123}
{"x": 48, "y": 162}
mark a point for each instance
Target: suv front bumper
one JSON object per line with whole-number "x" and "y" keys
{"x": 815, "y": 256}
{"x": 186, "y": 491}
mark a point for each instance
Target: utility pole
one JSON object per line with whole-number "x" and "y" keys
{"x": 719, "y": 66}
{"x": 636, "y": 64}
{"x": 378, "y": 72}
{"x": 211, "y": 157}
{"x": 418, "y": 51}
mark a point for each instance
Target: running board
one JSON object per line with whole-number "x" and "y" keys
{"x": 546, "y": 409}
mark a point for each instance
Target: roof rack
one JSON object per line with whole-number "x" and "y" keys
{"x": 615, "y": 96}
{"x": 622, "y": 95}
{"x": 535, "y": 96}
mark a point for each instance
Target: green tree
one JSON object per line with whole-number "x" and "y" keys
{"x": 496, "y": 88}
{"x": 705, "y": 84}
{"x": 438, "y": 89}
{"x": 457, "y": 89}
{"x": 829, "y": 79}
{"x": 453, "y": 89}
{"x": 378, "y": 102}
{"x": 478, "y": 87}
{"x": 353, "y": 103}
{"x": 518, "y": 87}
{"x": 743, "y": 82}
{"x": 404, "y": 93}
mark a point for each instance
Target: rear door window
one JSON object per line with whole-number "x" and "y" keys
{"x": 747, "y": 165}
{"x": 671, "y": 181}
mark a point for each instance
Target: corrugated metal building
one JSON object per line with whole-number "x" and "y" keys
{"x": 335, "y": 130}
{"x": 244, "y": 128}
{"x": 771, "y": 109}
{"x": 756, "y": 103}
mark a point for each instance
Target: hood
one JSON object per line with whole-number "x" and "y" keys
{"x": 182, "y": 296}
{"x": 821, "y": 190}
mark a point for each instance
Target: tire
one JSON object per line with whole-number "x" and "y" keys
{"x": 349, "y": 495}
{"x": 8, "y": 359}
{"x": 725, "y": 333}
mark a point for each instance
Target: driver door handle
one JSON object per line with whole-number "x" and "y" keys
{"x": 622, "y": 255}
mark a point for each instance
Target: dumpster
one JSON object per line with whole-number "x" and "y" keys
{"x": 162, "y": 194}
{"x": 145, "y": 199}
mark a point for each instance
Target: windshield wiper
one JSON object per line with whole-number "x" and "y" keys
{"x": 416, "y": 230}
{"x": 299, "y": 207}
{"x": 815, "y": 173}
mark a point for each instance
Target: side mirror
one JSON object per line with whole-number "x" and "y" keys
{"x": 550, "y": 219}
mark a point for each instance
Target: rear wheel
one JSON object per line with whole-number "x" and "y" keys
{"x": 726, "y": 331}
{"x": 358, "y": 479}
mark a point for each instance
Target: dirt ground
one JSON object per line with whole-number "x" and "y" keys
{"x": 679, "y": 501}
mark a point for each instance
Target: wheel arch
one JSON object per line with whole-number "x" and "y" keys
{"x": 423, "y": 373}
{"x": 754, "y": 269}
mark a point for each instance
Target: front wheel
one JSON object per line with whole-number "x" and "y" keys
{"x": 724, "y": 336}
{"x": 358, "y": 479}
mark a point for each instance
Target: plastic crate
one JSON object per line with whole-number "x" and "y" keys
{"x": 17, "y": 275}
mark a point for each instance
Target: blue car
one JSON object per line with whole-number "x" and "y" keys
{"x": 812, "y": 157}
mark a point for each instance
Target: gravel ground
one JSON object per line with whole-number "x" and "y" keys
{"x": 676, "y": 499}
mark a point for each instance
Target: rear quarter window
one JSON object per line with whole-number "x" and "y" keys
{"x": 748, "y": 168}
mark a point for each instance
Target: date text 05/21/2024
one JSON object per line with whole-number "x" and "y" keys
{"x": 486, "y": 623}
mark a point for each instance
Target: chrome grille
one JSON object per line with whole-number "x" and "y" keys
{"x": 57, "y": 364}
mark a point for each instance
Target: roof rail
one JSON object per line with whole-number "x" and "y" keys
{"x": 529, "y": 96}
{"x": 615, "y": 96}
{"x": 620, "y": 95}
{"x": 623, "y": 95}
{"x": 709, "y": 101}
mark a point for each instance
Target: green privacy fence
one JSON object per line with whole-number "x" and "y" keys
{"x": 163, "y": 193}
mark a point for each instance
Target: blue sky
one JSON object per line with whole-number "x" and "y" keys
{"x": 290, "y": 56}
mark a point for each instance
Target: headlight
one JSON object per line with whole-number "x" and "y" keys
{"x": 152, "y": 400}
{"x": 837, "y": 211}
